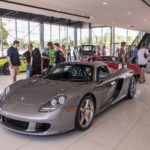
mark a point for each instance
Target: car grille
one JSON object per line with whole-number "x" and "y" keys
{"x": 23, "y": 126}
{"x": 19, "y": 125}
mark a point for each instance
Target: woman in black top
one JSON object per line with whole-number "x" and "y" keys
{"x": 36, "y": 62}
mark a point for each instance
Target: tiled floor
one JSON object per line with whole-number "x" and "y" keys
{"x": 126, "y": 126}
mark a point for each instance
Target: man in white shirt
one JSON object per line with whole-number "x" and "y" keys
{"x": 142, "y": 60}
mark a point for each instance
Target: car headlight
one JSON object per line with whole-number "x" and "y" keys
{"x": 54, "y": 104}
{"x": 4, "y": 93}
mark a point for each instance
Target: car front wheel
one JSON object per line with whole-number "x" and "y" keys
{"x": 5, "y": 69}
{"x": 132, "y": 88}
{"x": 85, "y": 113}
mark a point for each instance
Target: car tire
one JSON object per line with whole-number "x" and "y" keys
{"x": 5, "y": 69}
{"x": 85, "y": 113}
{"x": 132, "y": 88}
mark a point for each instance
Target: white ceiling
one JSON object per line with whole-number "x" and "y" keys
{"x": 113, "y": 14}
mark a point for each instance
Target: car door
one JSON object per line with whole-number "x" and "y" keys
{"x": 23, "y": 63}
{"x": 106, "y": 85}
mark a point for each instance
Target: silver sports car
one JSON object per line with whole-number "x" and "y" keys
{"x": 65, "y": 98}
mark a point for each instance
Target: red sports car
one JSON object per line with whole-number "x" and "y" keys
{"x": 88, "y": 54}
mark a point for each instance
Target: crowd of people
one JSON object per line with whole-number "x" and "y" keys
{"x": 54, "y": 54}
{"x": 37, "y": 61}
{"x": 136, "y": 56}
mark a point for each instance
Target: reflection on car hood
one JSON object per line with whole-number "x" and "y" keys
{"x": 37, "y": 92}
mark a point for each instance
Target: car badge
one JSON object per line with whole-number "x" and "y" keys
{"x": 22, "y": 98}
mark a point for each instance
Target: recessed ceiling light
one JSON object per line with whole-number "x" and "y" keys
{"x": 144, "y": 19}
{"x": 129, "y": 13}
{"x": 91, "y": 17}
{"x": 105, "y": 3}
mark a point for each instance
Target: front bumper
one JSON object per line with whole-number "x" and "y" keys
{"x": 55, "y": 122}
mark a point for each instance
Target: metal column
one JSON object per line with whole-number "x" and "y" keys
{"x": 41, "y": 36}
{"x": 127, "y": 37}
{"x": 1, "y": 36}
{"x": 80, "y": 36}
{"x": 113, "y": 41}
{"x": 16, "y": 29}
{"x": 67, "y": 37}
{"x": 59, "y": 34}
{"x": 101, "y": 40}
{"x": 50, "y": 32}
{"x": 75, "y": 37}
{"x": 28, "y": 31}
{"x": 90, "y": 34}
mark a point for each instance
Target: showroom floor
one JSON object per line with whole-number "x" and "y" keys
{"x": 125, "y": 126}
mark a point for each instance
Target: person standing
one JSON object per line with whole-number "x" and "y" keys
{"x": 51, "y": 55}
{"x": 103, "y": 51}
{"x": 58, "y": 54}
{"x": 48, "y": 56}
{"x": 142, "y": 56}
{"x": 75, "y": 53}
{"x": 36, "y": 62}
{"x": 117, "y": 53}
{"x": 64, "y": 53}
{"x": 129, "y": 54}
{"x": 98, "y": 50}
{"x": 68, "y": 50}
{"x": 13, "y": 59}
{"x": 28, "y": 55}
{"x": 121, "y": 56}
{"x": 135, "y": 51}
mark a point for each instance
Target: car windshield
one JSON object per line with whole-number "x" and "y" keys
{"x": 71, "y": 72}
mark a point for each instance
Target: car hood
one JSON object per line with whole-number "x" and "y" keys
{"x": 38, "y": 92}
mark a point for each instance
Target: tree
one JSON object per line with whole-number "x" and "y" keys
{"x": 3, "y": 35}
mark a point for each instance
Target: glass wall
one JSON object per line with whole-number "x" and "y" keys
{"x": 131, "y": 36}
{"x": 101, "y": 37}
{"x": 120, "y": 35}
{"x": 34, "y": 34}
{"x": 63, "y": 35}
{"x": 47, "y": 34}
{"x": 9, "y": 25}
{"x": 125, "y": 35}
{"x": 55, "y": 33}
{"x": 85, "y": 36}
{"x": 79, "y": 37}
{"x": 26, "y": 32}
{"x": 22, "y": 33}
{"x": 71, "y": 36}
{"x": 97, "y": 37}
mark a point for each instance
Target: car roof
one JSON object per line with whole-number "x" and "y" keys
{"x": 93, "y": 64}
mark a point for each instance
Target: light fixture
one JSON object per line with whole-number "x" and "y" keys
{"x": 105, "y": 3}
{"x": 129, "y": 13}
{"x": 91, "y": 17}
{"x": 113, "y": 22}
{"x": 132, "y": 26}
{"x": 144, "y": 19}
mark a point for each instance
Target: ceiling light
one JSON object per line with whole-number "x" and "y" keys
{"x": 91, "y": 17}
{"x": 105, "y": 3}
{"x": 144, "y": 19}
{"x": 113, "y": 22}
{"x": 129, "y": 13}
{"x": 132, "y": 26}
